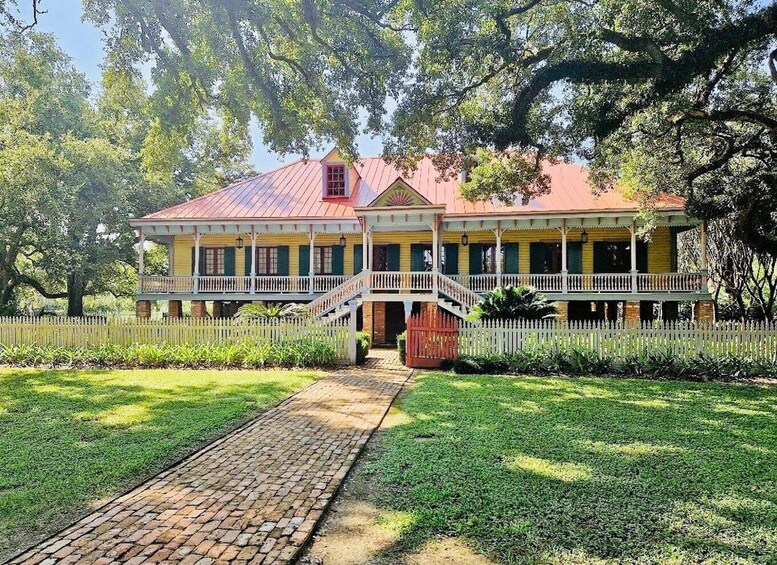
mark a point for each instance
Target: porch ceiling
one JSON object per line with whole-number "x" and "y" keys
{"x": 404, "y": 219}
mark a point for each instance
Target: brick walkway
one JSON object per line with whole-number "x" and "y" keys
{"x": 253, "y": 496}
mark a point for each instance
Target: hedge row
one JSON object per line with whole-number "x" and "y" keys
{"x": 585, "y": 362}
{"x": 308, "y": 352}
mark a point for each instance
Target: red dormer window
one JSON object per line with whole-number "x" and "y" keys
{"x": 336, "y": 181}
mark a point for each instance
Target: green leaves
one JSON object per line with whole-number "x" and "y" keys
{"x": 73, "y": 170}
{"x": 304, "y": 69}
{"x": 249, "y": 313}
{"x": 513, "y": 303}
{"x": 502, "y": 175}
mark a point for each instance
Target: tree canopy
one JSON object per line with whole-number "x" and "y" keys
{"x": 75, "y": 168}
{"x": 657, "y": 95}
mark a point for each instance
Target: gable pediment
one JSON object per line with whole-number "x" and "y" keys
{"x": 399, "y": 194}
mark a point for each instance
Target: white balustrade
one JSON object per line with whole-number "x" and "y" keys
{"x": 165, "y": 285}
{"x": 224, "y": 285}
{"x": 600, "y": 282}
{"x": 325, "y": 283}
{"x": 395, "y": 281}
{"x": 400, "y": 281}
{"x": 281, "y": 285}
{"x": 669, "y": 282}
{"x": 457, "y": 291}
{"x": 337, "y": 296}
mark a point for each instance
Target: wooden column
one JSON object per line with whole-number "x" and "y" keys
{"x": 498, "y": 234}
{"x": 252, "y": 274}
{"x": 141, "y": 252}
{"x": 365, "y": 251}
{"x": 370, "y": 256}
{"x": 703, "y": 255}
{"x": 435, "y": 254}
{"x": 564, "y": 263}
{"x": 633, "y": 232}
{"x": 196, "y": 285}
{"x": 311, "y": 260}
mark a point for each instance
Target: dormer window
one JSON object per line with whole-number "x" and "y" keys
{"x": 336, "y": 181}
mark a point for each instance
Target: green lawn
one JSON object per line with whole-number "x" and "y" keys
{"x": 69, "y": 438}
{"x": 581, "y": 470}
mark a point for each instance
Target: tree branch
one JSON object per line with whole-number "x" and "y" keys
{"x": 29, "y": 281}
{"x": 669, "y": 76}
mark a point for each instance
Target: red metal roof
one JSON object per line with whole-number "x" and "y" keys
{"x": 294, "y": 191}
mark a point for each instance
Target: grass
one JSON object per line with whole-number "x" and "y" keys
{"x": 71, "y": 437}
{"x": 554, "y": 470}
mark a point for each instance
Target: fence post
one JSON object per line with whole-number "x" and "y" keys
{"x": 352, "y": 306}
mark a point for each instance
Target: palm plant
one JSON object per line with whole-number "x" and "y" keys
{"x": 514, "y": 303}
{"x": 275, "y": 311}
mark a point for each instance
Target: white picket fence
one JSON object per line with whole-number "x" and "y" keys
{"x": 91, "y": 332}
{"x": 684, "y": 339}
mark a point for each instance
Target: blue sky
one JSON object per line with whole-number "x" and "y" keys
{"x": 84, "y": 43}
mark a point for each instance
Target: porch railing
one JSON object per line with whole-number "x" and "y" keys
{"x": 238, "y": 285}
{"x": 395, "y": 281}
{"x": 589, "y": 283}
{"x": 401, "y": 281}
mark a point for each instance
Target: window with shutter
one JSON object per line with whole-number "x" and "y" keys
{"x": 266, "y": 261}
{"x": 214, "y": 262}
{"x": 322, "y": 260}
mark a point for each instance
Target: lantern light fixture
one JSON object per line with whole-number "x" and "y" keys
{"x": 584, "y": 237}
{"x": 464, "y": 240}
{"x": 342, "y": 241}
{"x": 239, "y": 242}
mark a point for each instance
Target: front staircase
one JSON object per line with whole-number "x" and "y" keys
{"x": 450, "y": 295}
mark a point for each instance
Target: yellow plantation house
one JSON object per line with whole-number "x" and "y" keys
{"x": 366, "y": 239}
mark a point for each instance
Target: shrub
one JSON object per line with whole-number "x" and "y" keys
{"x": 362, "y": 347}
{"x": 306, "y": 352}
{"x": 514, "y": 303}
{"x": 645, "y": 364}
{"x": 249, "y": 313}
{"x": 402, "y": 346}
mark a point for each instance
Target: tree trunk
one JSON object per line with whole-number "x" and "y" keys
{"x": 75, "y": 295}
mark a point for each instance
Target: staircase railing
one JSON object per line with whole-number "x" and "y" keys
{"x": 338, "y": 296}
{"x": 457, "y": 292}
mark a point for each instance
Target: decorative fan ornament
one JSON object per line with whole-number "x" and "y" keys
{"x": 399, "y": 198}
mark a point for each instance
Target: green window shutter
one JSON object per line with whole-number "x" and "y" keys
{"x": 229, "y": 261}
{"x": 393, "y": 257}
{"x": 451, "y": 258}
{"x": 575, "y": 257}
{"x": 537, "y": 253}
{"x": 337, "y": 259}
{"x": 475, "y": 259}
{"x": 673, "y": 232}
{"x": 357, "y": 259}
{"x": 304, "y": 260}
{"x": 247, "y": 262}
{"x": 283, "y": 260}
{"x": 601, "y": 264}
{"x": 193, "y": 273}
{"x": 511, "y": 258}
{"x": 642, "y": 256}
{"x": 416, "y": 257}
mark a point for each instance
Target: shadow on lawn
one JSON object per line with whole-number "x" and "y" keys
{"x": 536, "y": 469}
{"x": 68, "y": 438}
